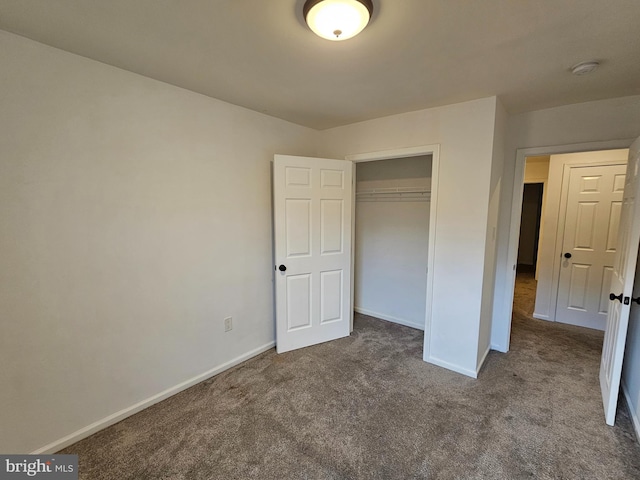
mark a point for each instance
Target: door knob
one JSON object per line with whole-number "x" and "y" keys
{"x": 567, "y": 255}
{"x": 282, "y": 268}
{"x": 613, "y": 297}
{"x": 637, "y": 300}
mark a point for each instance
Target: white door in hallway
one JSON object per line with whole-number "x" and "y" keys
{"x": 589, "y": 244}
{"x": 312, "y": 199}
{"x": 622, "y": 277}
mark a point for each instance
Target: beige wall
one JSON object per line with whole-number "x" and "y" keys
{"x": 134, "y": 217}
{"x": 536, "y": 169}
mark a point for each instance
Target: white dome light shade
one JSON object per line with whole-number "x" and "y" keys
{"x": 337, "y": 19}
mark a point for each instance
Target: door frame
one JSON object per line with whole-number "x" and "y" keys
{"x": 516, "y": 209}
{"x": 418, "y": 151}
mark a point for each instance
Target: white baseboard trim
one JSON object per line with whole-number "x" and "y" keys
{"x": 499, "y": 348}
{"x": 389, "y": 318}
{"x": 632, "y": 411}
{"x": 481, "y": 362}
{"x": 127, "y": 412}
{"x": 452, "y": 367}
{"x": 591, "y": 324}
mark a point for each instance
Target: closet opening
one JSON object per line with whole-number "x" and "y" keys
{"x": 391, "y": 238}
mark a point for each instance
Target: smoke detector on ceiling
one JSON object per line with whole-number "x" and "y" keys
{"x": 584, "y": 68}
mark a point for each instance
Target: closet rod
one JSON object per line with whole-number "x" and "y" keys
{"x": 392, "y": 191}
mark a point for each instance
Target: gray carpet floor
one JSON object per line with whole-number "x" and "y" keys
{"x": 368, "y": 407}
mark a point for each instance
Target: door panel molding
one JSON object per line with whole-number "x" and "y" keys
{"x": 312, "y": 239}
{"x": 583, "y": 227}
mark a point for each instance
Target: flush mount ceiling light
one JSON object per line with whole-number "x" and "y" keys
{"x": 337, "y": 19}
{"x": 584, "y": 68}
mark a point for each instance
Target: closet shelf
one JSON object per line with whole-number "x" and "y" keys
{"x": 397, "y": 193}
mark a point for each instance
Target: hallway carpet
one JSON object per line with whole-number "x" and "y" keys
{"x": 368, "y": 407}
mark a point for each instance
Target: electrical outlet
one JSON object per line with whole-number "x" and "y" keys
{"x": 228, "y": 324}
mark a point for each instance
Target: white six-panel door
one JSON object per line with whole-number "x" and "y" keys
{"x": 590, "y": 239}
{"x": 622, "y": 278}
{"x": 312, "y": 235}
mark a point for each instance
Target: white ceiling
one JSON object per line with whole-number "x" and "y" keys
{"x": 414, "y": 54}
